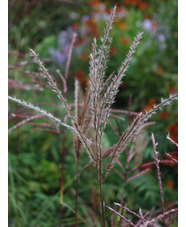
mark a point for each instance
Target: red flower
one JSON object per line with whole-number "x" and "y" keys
{"x": 82, "y": 78}
{"x": 164, "y": 115}
{"x": 119, "y": 9}
{"x": 75, "y": 26}
{"x": 94, "y": 3}
{"x": 131, "y": 2}
{"x": 124, "y": 40}
{"x": 142, "y": 6}
{"x": 126, "y": 2}
{"x": 150, "y": 104}
{"x": 169, "y": 184}
{"x": 123, "y": 85}
{"x": 113, "y": 51}
{"x": 159, "y": 70}
{"x": 84, "y": 56}
{"x": 173, "y": 130}
{"x": 172, "y": 89}
{"x": 135, "y": 2}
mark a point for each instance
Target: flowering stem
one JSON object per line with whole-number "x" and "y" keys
{"x": 159, "y": 176}
{"x": 102, "y": 203}
{"x": 77, "y": 187}
{"x": 62, "y": 176}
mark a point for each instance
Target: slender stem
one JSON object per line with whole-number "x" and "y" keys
{"x": 70, "y": 54}
{"x": 99, "y": 169}
{"x": 102, "y": 203}
{"x": 159, "y": 176}
{"x": 77, "y": 188}
{"x": 62, "y": 177}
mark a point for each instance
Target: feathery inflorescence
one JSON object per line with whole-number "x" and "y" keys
{"x": 98, "y": 60}
{"x": 130, "y": 132}
{"x": 103, "y": 94}
{"x": 39, "y": 110}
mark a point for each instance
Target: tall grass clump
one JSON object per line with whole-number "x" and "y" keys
{"x": 93, "y": 116}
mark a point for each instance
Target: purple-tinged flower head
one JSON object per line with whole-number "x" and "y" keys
{"x": 147, "y": 25}
{"x": 58, "y": 56}
{"x": 161, "y": 38}
{"x": 121, "y": 13}
{"x": 65, "y": 38}
{"x": 102, "y": 6}
{"x": 106, "y": 16}
{"x": 61, "y": 53}
{"x": 102, "y": 16}
{"x": 85, "y": 18}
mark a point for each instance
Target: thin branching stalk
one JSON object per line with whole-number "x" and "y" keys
{"x": 131, "y": 212}
{"x": 125, "y": 219}
{"x": 102, "y": 203}
{"x": 172, "y": 141}
{"x": 70, "y": 54}
{"x": 25, "y": 121}
{"x": 144, "y": 216}
{"x": 137, "y": 175}
{"x": 167, "y": 213}
{"x": 140, "y": 216}
{"x": 76, "y": 195}
{"x": 173, "y": 159}
{"x": 63, "y": 81}
{"x": 171, "y": 220}
{"x": 159, "y": 176}
{"x": 43, "y": 112}
{"x": 77, "y": 147}
{"x": 62, "y": 177}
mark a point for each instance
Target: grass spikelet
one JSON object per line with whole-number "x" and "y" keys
{"x": 41, "y": 111}
{"x": 132, "y": 129}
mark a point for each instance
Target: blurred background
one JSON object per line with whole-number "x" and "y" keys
{"x": 34, "y": 155}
